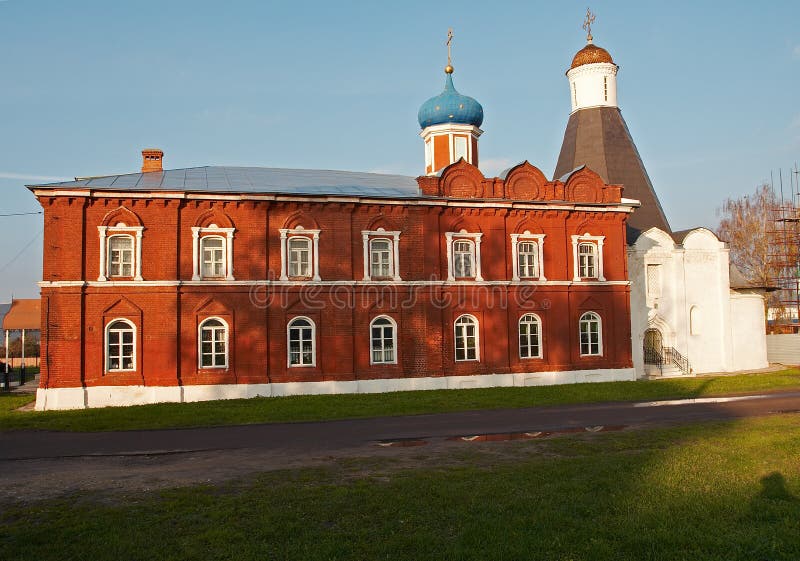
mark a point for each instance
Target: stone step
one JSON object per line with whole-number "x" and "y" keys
{"x": 665, "y": 371}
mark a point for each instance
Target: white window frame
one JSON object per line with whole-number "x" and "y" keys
{"x": 197, "y": 250}
{"x": 453, "y": 237}
{"x": 226, "y": 340}
{"x": 368, "y": 236}
{"x": 465, "y": 250}
{"x": 132, "y": 329}
{"x": 382, "y": 349}
{"x": 289, "y": 327}
{"x": 287, "y": 233}
{"x": 530, "y": 319}
{"x": 292, "y": 253}
{"x": 120, "y": 228}
{"x": 205, "y": 250}
{"x": 110, "y": 256}
{"x": 526, "y": 236}
{"x": 587, "y": 260}
{"x": 598, "y": 243}
{"x": 586, "y": 320}
{"x": 456, "y": 337}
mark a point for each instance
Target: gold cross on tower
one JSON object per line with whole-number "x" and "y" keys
{"x": 587, "y": 25}
{"x": 449, "y": 67}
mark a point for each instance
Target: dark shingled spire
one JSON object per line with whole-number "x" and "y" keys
{"x": 598, "y": 138}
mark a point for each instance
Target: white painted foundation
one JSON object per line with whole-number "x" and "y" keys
{"x": 108, "y": 396}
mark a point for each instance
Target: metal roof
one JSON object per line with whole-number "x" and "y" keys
{"x": 228, "y": 179}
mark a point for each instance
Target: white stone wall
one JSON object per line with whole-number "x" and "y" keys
{"x": 748, "y": 328}
{"x": 708, "y": 292}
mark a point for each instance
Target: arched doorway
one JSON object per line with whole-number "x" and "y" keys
{"x": 653, "y": 347}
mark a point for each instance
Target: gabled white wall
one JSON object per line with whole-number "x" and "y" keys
{"x": 707, "y": 288}
{"x": 731, "y": 333}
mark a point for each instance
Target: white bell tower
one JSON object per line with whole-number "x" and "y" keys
{"x": 593, "y": 74}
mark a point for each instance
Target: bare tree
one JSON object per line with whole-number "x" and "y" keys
{"x": 746, "y": 224}
{"x": 760, "y": 246}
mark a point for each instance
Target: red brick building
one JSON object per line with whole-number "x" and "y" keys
{"x": 219, "y": 282}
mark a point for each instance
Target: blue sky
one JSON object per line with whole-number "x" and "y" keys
{"x": 709, "y": 91}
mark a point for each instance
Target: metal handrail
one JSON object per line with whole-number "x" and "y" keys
{"x": 675, "y": 358}
{"x": 669, "y": 356}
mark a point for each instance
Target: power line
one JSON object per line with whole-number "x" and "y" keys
{"x": 22, "y": 213}
{"x": 21, "y": 251}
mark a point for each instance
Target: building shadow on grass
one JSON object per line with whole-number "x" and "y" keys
{"x": 773, "y": 488}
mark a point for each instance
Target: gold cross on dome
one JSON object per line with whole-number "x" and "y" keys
{"x": 449, "y": 40}
{"x": 587, "y": 25}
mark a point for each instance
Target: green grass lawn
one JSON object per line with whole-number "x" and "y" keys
{"x": 712, "y": 491}
{"x": 314, "y": 408}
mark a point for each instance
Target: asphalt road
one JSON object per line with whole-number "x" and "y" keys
{"x": 331, "y": 436}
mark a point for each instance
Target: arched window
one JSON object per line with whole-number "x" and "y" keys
{"x": 380, "y": 251}
{"x": 587, "y": 260}
{"x": 212, "y": 250}
{"x": 464, "y": 255}
{"x": 120, "y": 346}
{"x": 120, "y": 256}
{"x": 301, "y": 335}
{"x": 463, "y": 259}
{"x": 299, "y": 254}
{"x": 120, "y": 251}
{"x": 591, "y": 335}
{"x": 466, "y": 338}
{"x": 527, "y": 256}
{"x": 587, "y": 257}
{"x": 213, "y": 343}
{"x": 299, "y": 257}
{"x": 381, "y": 255}
{"x": 530, "y": 336}
{"x": 528, "y": 259}
{"x": 383, "y": 340}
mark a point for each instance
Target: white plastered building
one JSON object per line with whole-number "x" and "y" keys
{"x": 685, "y": 309}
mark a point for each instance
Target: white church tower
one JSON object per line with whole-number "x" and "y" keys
{"x": 687, "y": 315}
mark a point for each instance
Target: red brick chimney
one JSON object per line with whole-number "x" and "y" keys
{"x": 152, "y": 160}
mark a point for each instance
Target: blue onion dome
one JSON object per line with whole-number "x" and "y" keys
{"x": 450, "y": 107}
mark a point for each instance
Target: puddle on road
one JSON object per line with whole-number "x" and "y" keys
{"x": 401, "y": 443}
{"x": 500, "y": 437}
